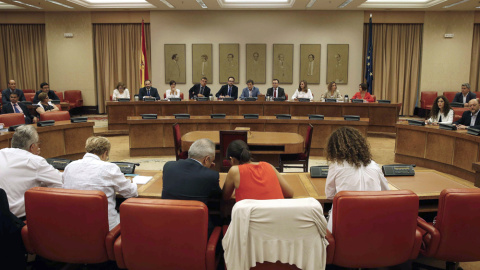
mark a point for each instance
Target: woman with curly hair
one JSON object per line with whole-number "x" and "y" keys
{"x": 441, "y": 112}
{"x": 351, "y": 166}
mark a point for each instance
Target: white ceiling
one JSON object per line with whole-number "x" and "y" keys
{"x": 142, "y": 5}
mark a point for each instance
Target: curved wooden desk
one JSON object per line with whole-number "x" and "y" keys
{"x": 155, "y": 137}
{"x": 448, "y": 151}
{"x": 63, "y": 140}
{"x": 381, "y": 117}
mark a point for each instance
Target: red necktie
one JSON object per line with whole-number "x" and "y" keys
{"x": 275, "y": 93}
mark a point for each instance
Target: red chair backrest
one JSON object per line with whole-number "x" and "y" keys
{"x": 450, "y": 95}
{"x": 57, "y": 116}
{"x": 177, "y": 139}
{"x": 163, "y": 234}
{"x": 374, "y": 228}
{"x": 72, "y": 96}
{"x": 228, "y": 136}
{"x": 67, "y": 225}
{"x": 428, "y": 97}
{"x": 29, "y": 96}
{"x": 28, "y": 91}
{"x": 478, "y": 94}
{"x": 12, "y": 119}
{"x": 59, "y": 95}
{"x": 458, "y": 222}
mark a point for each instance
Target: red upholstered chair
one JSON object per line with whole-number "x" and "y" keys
{"x": 458, "y": 111}
{"x": 177, "y": 139}
{"x": 166, "y": 234}
{"x": 12, "y": 119}
{"x": 286, "y": 96}
{"x": 28, "y": 91}
{"x": 74, "y": 98}
{"x": 29, "y": 96}
{"x": 450, "y": 95}
{"x": 59, "y": 95}
{"x": 478, "y": 94}
{"x": 301, "y": 158}
{"x": 455, "y": 237}
{"x": 374, "y": 229}
{"x": 427, "y": 98}
{"x": 68, "y": 225}
{"x": 57, "y": 116}
{"x": 456, "y": 117}
{"x": 226, "y": 137}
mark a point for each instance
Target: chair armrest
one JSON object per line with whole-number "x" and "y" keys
{"x": 212, "y": 261}
{"x": 79, "y": 103}
{"x": 422, "y": 103}
{"x": 117, "y": 248}
{"x": 417, "y": 244}
{"x": 110, "y": 241}
{"x": 330, "y": 247}
{"x": 26, "y": 240}
{"x": 428, "y": 249}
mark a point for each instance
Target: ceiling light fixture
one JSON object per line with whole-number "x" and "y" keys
{"x": 167, "y": 3}
{"x": 57, "y": 3}
{"x": 202, "y": 4}
{"x": 344, "y": 4}
{"x": 28, "y": 5}
{"x": 310, "y": 4}
{"x": 454, "y": 4}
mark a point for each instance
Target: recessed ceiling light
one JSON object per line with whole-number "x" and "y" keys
{"x": 256, "y": 1}
{"x": 454, "y": 4}
{"x": 134, "y": 4}
{"x": 344, "y": 4}
{"x": 310, "y": 4}
{"x": 28, "y": 5}
{"x": 57, "y": 3}
{"x": 167, "y": 3}
{"x": 8, "y": 6}
{"x": 202, "y": 4}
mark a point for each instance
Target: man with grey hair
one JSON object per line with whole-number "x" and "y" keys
{"x": 21, "y": 168}
{"x": 192, "y": 178}
{"x": 465, "y": 95}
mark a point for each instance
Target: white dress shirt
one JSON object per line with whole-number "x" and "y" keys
{"x": 344, "y": 176}
{"x": 446, "y": 119}
{"x": 91, "y": 173}
{"x": 474, "y": 118}
{"x": 301, "y": 94}
{"x": 169, "y": 93}
{"x": 116, "y": 94}
{"x": 21, "y": 170}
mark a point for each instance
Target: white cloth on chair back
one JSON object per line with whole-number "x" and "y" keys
{"x": 286, "y": 230}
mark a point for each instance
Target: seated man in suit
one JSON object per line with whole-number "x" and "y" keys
{"x": 228, "y": 90}
{"x": 44, "y": 87}
{"x": 14, "y": 107}
{"x": 275, "y": 91}
{"x": 148, "y": 91}
{"x": 465, "y": 95}
{"x": 470, "y": 118}
{"x": 23, "y": 168}
{"x": 250, "y": 90}
{"x": 12, "y": 88}
{"x": 200, "y": 89}
{"x": 192, "y": 178}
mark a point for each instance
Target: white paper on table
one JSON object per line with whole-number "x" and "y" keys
{"x": 141, "y": 180}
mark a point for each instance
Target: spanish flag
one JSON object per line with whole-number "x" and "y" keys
{"x": 143, "y": 59}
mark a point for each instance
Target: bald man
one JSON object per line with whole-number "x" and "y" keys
{"x": 470, "y": 118}
{"x": 12, "y": 88}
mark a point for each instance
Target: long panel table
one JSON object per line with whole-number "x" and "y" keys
{"x": 63, "y": 140}
{"x": 154, "y": 137}
{"x": 448, "y": 151}
{"x": 382, "y": 117}
{"x": 427, "y": 184}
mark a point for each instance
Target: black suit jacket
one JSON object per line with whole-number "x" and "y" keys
{"x": 466, "y": 118}
{"x": 281, "y": 92}
{"x": 8, "y": 108}
{"x": 459, "y": 97}
{"x": 153, "y": 93}
{"x": 51, "y": 95}
{"x": 224, "y": 91}
{"x": 196, "y": 89}
{"x": 6, "y": 95}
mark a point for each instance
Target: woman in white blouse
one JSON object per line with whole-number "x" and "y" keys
{"x": 350, "y": 165}
{"x": 302, "y": 91}
{"x": 332, "y": 92}
{"x": 120, "y": 92}
{"x": 441, "y": 112}
{"x": 173, "y": 92}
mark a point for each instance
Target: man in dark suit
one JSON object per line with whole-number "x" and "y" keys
{"x": 44, "y": 87}
{"x": 192, "y": 178}
{"x": 14, "y": 107}
{"x": 200, "y": 89}
{"x": 276, "y": 91}
{"x": 465, "y": 95}
{"x": 148, "y": 91}
{"x": 12, "y": 88}
{"x": 470, "y": 118}
{"x": 228, "y": 90}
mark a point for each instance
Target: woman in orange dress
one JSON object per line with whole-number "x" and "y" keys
{"x": 363, "y": 93}
{"x": 252, "y": 180}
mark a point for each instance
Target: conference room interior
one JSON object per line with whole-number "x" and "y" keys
{"x": 414, "y": 55}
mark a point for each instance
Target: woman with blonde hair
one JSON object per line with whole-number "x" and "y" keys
{"x": 44, "y": 105}
{"x": 332, "y": 92}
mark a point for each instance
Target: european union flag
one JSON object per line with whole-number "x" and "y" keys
{"x": 369, "y": 61}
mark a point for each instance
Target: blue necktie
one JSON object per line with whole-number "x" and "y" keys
{"x": 148, "y": 92}
{"x": 15, "y": 107}
{"x": 229, "y": 91}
